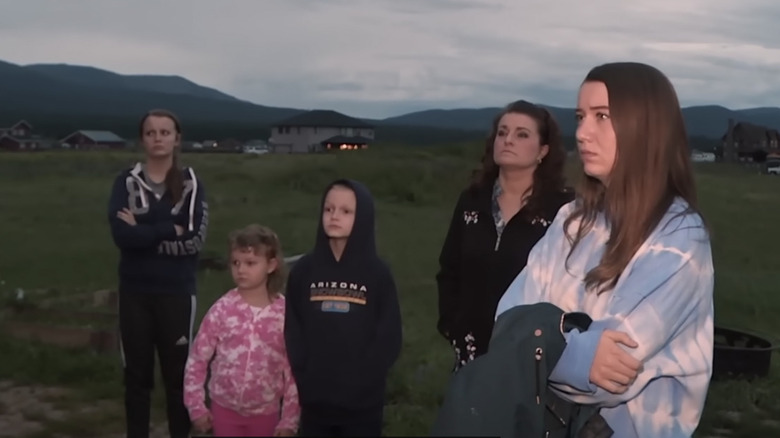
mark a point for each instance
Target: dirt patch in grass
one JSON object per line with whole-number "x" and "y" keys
{"x": 157, "y": 431}
{"x": 39, "y": 411}
{"x": 761, "y": 196}
{"x": 25, "y": 409}
{"x": 775, "y": 424}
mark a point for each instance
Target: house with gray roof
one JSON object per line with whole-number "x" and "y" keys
{"x": 86, "y": 139}
{"x": 19, "y": 137}
{"x": 320, "y": 130}
{"x": 19, "y": 129}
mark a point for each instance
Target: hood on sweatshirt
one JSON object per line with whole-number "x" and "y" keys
{"x": 137, "y": 173}
{"x": 343, "y": 316}
{"x": 361, "y": 243}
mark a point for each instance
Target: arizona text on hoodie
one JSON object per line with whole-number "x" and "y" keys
{"x": 342, "y": 325}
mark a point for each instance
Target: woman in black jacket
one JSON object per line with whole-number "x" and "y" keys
{"x": 497, "y": 220}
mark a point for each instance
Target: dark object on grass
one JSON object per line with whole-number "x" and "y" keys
{"x": 99, "y": 340}
{"x": 81, "y": 321}
{"x": 213, "y": 263}
{"x": 740, "y": 354}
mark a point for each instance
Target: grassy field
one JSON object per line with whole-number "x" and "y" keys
{"x": 54, "y": 234}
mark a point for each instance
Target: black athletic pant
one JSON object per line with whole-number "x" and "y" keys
{"x": 367, "y": 426}
{"x": 148, "y": 322}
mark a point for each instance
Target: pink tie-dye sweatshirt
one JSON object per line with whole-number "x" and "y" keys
{"x": 250, "y": 373}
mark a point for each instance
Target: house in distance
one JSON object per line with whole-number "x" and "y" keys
{"x": 85, "y": 139}
{"x": 18, "y": 137}
{"x": 744, "y": 142}
{"x": 320, "y": 130}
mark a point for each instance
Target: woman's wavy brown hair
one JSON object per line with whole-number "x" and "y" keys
{"x": 652, "y": 167}
{"x": 548, "y": 176}
{"x": 262, "y": 240}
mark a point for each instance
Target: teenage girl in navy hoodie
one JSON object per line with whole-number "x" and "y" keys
{"x": 158, "y": 216}
{"x": 342, "y": 320}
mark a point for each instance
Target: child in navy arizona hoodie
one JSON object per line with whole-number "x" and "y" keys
{"x": 157, "y": 282}
{"x": 342, "y": 321}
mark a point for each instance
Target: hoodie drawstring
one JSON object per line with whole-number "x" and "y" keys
{"x": 145, "y": 202}
{"x": 141, "y": 185}
{"x": 194, "y": 195}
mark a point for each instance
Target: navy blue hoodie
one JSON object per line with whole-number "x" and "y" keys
{"x": 153, "y": 259}
{"x": 343, "y": 321}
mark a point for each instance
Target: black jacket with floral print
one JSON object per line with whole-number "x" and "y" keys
{"x": 480, "y": 257}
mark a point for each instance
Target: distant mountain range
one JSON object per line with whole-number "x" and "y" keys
{"x": 61, "y": 97}
{"x": 701, "y": 121}
{"x": 51, "y": 89}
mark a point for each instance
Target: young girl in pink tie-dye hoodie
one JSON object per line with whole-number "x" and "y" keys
{"x": 243, "y": 333}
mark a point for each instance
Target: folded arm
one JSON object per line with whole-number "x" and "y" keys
{"x": 193, "y": 239}
{"x": 665, "y": 305}
{"x": 137, "y": 236}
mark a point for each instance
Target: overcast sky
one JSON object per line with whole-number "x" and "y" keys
{"x": 378, "y": 58}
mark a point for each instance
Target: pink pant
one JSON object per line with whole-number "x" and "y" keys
{"x": 227, "y": 422}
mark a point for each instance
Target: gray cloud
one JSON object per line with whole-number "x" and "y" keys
{"x": 387, "y": 57}
{"x": 435, "y": 6}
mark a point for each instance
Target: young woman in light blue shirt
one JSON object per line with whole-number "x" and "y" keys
{"x": 633, "y": 252}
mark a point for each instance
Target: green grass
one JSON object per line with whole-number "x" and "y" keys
{"x": 54, "y": 234}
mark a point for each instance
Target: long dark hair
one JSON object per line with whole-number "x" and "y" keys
{"x": 651, "y": 168}
{"x": 548, "y": 176}
{"x": 174, "y": 180}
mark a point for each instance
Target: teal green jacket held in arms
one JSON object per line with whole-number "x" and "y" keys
{"x": 504, "y": 393}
